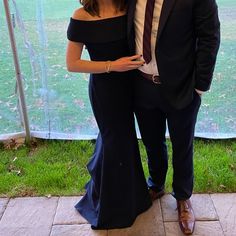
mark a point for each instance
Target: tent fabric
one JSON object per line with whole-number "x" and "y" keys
{"x": 57, "y": 101}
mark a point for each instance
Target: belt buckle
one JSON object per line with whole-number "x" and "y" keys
{"x": 156, "y": 79}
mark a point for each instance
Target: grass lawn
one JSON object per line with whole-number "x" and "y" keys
{"x": 59, "y": 167}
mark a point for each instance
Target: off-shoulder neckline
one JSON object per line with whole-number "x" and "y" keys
{"x": 101, "y": 20}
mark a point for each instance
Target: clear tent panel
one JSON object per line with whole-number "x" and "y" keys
{"x": 217, "y": 117}
{"x": 57, "y": 101}
{"x": 10, "y": 117}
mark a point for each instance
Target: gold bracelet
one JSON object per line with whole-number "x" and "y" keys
{"x": 108, "y": 67}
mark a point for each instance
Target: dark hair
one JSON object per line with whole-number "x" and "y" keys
{"x": 91, "y": 6}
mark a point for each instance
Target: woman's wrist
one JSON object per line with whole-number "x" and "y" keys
{"x": 108, "y": 67}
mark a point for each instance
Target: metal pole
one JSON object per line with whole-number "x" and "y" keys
{"x": 18, "y": 72}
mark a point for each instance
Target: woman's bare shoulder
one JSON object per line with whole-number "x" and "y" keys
{"x": 81, "y": 14}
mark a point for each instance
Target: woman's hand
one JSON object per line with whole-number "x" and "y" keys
{"x": 126, "y": 63}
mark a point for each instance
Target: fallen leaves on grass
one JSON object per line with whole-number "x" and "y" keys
{"x": 14, "y": 143}
{"x": 24, "y": 191}
{"x": 222, "y": 186}
{"x": 13, "y": 169}
{"x": 232, "y": 167}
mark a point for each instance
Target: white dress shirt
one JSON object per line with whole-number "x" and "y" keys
{"x": 150, "y": 68}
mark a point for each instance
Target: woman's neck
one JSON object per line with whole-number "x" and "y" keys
{"x": 106, "y": 3}
{"x": 107, "y": 8}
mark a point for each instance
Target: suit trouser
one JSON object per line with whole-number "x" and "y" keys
{"x": 153, "y": 113}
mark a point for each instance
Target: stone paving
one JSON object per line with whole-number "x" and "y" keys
{"x": 56, "y": 216}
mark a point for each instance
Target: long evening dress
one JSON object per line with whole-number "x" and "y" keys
{"x": 117, "y": 191}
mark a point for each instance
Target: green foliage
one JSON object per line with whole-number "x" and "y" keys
{"x": 51, "y": 168}
{"x": 215, "y": 166}
{"x": 59, "y": 168}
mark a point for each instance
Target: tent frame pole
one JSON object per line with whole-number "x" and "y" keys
{"x": 18, "y": 72}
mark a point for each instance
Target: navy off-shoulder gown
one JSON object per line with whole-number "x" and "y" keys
{"x": 117, "y": 191}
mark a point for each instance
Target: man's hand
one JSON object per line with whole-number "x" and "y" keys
{"x": 199, "y": 92}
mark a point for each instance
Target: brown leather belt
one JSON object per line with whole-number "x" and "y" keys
{"x": 154, "y": 78}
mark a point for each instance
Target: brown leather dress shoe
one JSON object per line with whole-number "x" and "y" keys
{"x": 186, "y": 216}
{"x": 155, "y": 195}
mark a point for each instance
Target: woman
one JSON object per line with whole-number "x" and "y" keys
{"x": 117, "y": 191}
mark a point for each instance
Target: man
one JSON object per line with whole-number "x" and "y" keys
{"x": 179, "y": 41}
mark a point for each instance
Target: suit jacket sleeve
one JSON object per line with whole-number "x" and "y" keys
{"x": 207, "y": 29}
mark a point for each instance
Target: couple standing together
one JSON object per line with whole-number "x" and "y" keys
{"x": 153, "y": 58}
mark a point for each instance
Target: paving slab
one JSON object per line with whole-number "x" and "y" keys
{"x": 204, "y": 209}
{"x": 149, "y": 223}
{"x": 3, "y": 204}
{"x": 202, "y": 204}
{"x": 41, "y": 216}
{"x": 225, "y": 205}
{"x": 28, "y": 216}
{"x": 25, "y": 231}
{"x": 66, "y": 213}
{"x": 202, "y": 228}
{"x": 76, "y": 230}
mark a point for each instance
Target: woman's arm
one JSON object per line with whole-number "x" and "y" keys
{"x": 76, "y": 64}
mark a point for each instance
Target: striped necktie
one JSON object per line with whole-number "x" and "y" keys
{"x": 147, "y": 54}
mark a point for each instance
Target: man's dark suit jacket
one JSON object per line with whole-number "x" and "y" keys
{"x": 187, "y": 44}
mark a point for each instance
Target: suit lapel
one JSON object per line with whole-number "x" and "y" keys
{"x": 166, "y": 8}
{"x": 131, "y": 11}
